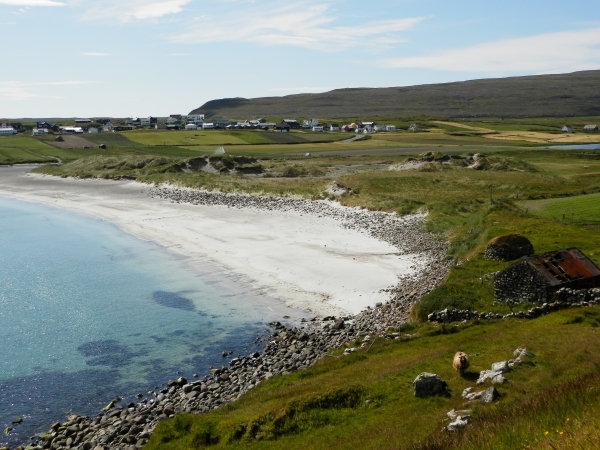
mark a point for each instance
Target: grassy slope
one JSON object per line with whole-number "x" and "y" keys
{"x": 584, "y": 208}
{"x": 534, "y": 96}
{"x": 325, "y": 406}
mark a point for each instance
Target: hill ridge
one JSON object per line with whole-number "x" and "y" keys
{"x": 560, "y": 95}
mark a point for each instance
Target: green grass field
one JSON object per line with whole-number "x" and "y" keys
{"x": 365, "y": 401}
{"x": 583, "y": 208}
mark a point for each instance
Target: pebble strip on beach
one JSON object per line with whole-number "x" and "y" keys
{"x": 286, "y": 350}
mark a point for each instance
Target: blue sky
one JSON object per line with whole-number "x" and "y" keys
{"x": 80, "y": 58}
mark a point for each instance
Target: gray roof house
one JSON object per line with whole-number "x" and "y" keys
{"x": 590, "y": 128}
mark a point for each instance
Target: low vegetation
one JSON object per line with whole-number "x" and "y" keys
{"x": 365, "y": 400}
{"x": 473, "y": 191}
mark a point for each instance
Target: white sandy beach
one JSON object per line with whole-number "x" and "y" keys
{"x": 309, "y": 262}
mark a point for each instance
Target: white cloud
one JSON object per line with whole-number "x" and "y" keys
{"x": 308, "y": 25}
{"x": 21, "y": 90}
{"x": 552, "y": 52}
{"x": 94, "y": 54}
{"x": 131, "y": 10}
{"x": 31, "y": 3}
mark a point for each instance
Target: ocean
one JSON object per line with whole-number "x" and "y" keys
{"x": 88, "y": 313}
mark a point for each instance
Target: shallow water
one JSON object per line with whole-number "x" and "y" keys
{"x": 88, "y": 313}
{"x": 576, "y": 147}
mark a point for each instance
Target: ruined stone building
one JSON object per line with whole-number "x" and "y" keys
{"x": 537, "y": 278}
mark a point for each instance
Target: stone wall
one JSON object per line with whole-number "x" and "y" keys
{"x": 520, "y": 283}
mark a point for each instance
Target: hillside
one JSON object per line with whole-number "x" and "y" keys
{"x": 574, "y": 94}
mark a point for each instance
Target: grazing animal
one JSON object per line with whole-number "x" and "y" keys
{"x": 461, "y": 362}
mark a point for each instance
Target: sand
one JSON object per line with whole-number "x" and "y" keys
{"x": 309, "y": 262}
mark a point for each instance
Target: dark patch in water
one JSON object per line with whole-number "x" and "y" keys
{"x": 108, "y": 353}
{"x": 97, "y": 348}
{"x": 177, "y": 333}
{"x": 173, "y": 300}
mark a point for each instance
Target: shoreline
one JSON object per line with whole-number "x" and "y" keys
{"x": 286, "y": 349}
{"x": 322, "y": 260}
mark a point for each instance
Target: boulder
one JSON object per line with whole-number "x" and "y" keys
{"x": 501, "y": 367}
{"x": 508, "y": 247}
{"x": 427, "y": 384}
{"x": 490, "y": 395}
{"x": 458, "y": 423}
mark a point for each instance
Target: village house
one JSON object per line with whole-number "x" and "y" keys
{"x": 108, "y": 128}
{"x": 39, "y": 131}
{"x": 334, "y": 127}
{"x": 293, "y": 124}
{"x": 196, "y": 119}
{"x": 191, "y": 127}
{"x": 590, "y": 128}
{"x": 567, "y": 129}
{"x": 93, "y": 130}
{"x": 538, "y": 278}
{"x": 282, "y": 127}
{"x": 318, "y": 128}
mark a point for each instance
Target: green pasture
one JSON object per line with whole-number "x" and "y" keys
{"x": 581, "y": 209}
{"x": 365, "y": 401}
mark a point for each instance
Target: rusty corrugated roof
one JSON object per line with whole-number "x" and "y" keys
{"x": 564, "y": 266}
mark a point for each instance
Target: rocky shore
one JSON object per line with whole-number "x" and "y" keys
{"x": 286, "y": 350}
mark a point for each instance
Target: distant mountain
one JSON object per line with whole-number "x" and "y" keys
{"x": 573, "y": 94}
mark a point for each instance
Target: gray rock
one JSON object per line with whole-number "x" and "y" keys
{"x": 427, "y": 384}
{"x": 490, "y": 395}
{"x": 501, "y": 367}
{"x": 459, "y": 423}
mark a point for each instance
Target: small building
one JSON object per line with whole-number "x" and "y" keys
{"x": 191, "y": 127}
{"x": 145, "y": 121}
{"x": 93, "y": 130}
{"x": 208, "y": 126}
{"x": 567, "y": 129}
{"x": 175, "y": 116}
{"x": 334, "y": 127}
{"x": 294, "y": 125}
{"x": 196, "y": 119}
{"x": 538, "y": 278}
{"x": 77, "y": 121}
{"x": 590, "y": 128}
{"x": 123, "y": 128}
{"x": 7, "y": 130}
{"x": 172, "y": 121}
{"x": 39, "y": 131}
{"x": 108, "y": 128}
{"x": 282, "y": 127}
{"x": 390, "y": 128}
{"x": 318, "y": 128}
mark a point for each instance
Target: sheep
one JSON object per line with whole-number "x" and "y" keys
{"x": 461, "y": 362}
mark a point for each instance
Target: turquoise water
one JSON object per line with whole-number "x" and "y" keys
{"x": 88, "y": 312}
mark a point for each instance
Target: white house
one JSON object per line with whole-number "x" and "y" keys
{"x": 334, "y": 127}
{"x": 172, "y": 121}
{"x": 208, "y": 126}
{"x": 191, "y": 127}
{"x": 39, "y": 131}
{"x": 93, "y": 130}
{"x": 108, "y": 128}
{"x": 590, "y": 128}
{"x": 71, "y": 130}
{"x": 317, "y": 129}
{"x": 196, "y": 119}
{"x": 391, "y": 128}
{"x": 567, "y": 129}
{"x": 7, "y": 130}
{"x": 145, "y": 121}
{"x": 379, "y": 128}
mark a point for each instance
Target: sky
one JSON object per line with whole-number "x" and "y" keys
{"x": 119, "y": 58}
